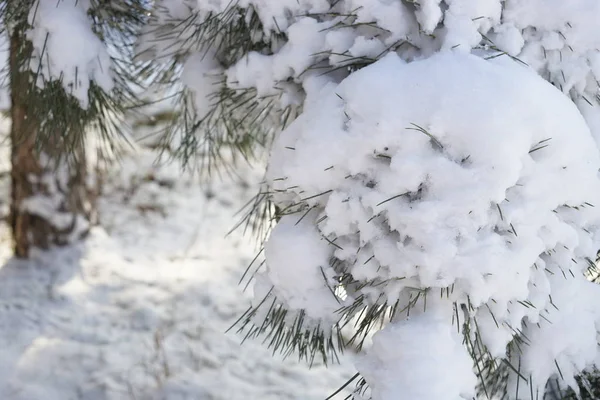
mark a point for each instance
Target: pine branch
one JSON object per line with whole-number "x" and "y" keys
{"x": 60, "y": 122}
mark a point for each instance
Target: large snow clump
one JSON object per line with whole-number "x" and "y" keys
{"x": 453, "y": 187}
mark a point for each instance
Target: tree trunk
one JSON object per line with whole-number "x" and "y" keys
{"x": 50, "y": 201}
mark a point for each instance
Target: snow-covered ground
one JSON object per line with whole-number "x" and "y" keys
{"x": 140, "y": 309}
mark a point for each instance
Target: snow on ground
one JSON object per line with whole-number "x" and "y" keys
{"x": 140, "y": 309}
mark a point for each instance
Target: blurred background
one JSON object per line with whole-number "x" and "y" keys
{"x": 139, "y": 308}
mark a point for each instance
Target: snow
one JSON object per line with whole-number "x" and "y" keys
{"x": 296, "y": 251}
{"x": 56, "y": 26}
{"x": 429, "y": 14}
{"x": 429, "y": 169}
{"x": 451, "y": 186}
{"x": 575, "y": 324}
{"x": 559, "y": 40}
{"x": 50, "y": 200}
{"x": 201, "y": 74}
{"x": 297, "y": 40}
{"x": 45, "y": 207}
{"x": 423, "y": 346}
{"x": 140, "y": 309}
{"x": 307, "y": 39}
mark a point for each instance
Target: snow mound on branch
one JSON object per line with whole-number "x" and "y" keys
{"x": 295, "y": 250}
{"x": 60, "y": 25}
{"x": 455, "y": 175}
{"x": 425, "y": 346}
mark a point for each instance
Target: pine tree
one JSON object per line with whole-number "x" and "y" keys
{"x": 429, "y": 199}
{"x": 70, "y": 76}
{"x": 355, "y": 250}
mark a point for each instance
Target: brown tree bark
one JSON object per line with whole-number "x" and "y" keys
{"x": 50, "y": 202}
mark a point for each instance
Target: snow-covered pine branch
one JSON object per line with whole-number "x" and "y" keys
{"x": 70, "y": 78}
{"x": 89, "y": 85}
{"x": 242, "y": 61}
{"x": 434, "y": 190}
{"x": 434, "y": 186}
{"x": 190, "y": 48}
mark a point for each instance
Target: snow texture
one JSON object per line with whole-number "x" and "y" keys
{"x": 298, "y": 260}
{"x": 60, "y": 25}
{"x": 49, "y": 202}
{"x": 441, "y": 176}
{"x": 557, "y": 39}
{"x": 202, "y": 75}
{"x": 423, "y": 345}
{"x": 140, "y": 310}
